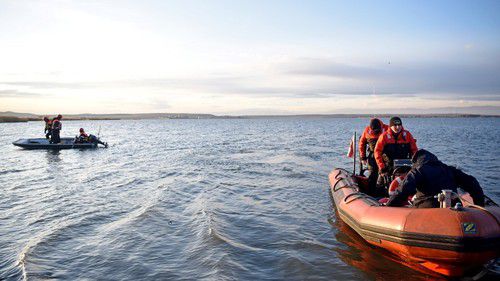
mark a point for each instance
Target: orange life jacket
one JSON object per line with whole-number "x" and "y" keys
{"x": 48, "y": 125}
{"x": 392, "y": 146}
{"x": 369, "y": 137}
{"x": 56, "y": 124}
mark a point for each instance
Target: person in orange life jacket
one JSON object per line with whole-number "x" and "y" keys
{"x": 59, "y": 117}
{"x": 56, "y": 129}
{"x": 395, "y": 143}
{"x": 368, "y": 141}
{"x": 83, "y": 137}
{"x": 428, "y": 177}
{"x": 48, "y": 127}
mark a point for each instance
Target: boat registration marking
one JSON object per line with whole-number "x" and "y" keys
{"x": 469, "y": 228}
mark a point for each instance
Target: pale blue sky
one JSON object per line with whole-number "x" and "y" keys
{"x": 248, "y": 57}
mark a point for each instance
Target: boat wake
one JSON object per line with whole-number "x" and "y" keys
{"x": 40, "y": 239}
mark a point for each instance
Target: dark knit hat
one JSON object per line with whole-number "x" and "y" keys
{"x": 375, "y": 124}
{"x": 395, "y": 121}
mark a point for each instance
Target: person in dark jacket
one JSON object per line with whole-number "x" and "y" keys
{"x": 56, "y": 129}
{"x": 428, "y": 177}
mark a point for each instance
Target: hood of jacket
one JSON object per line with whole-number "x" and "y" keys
{"x": 422, "y": 157}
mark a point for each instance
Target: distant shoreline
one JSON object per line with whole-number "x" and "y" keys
{"x": 10, "y": 117}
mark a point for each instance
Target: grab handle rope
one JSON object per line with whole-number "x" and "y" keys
{"x": 359, "y": 195}
{"x": 472, "y": 205}
{"x": 335, "y": 189}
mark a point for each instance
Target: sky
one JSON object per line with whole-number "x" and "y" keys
{"x": 249, "y": 57}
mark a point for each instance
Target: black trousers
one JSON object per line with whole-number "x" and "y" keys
{"x": 371, "y": 164}
{"x": 374, "y": 189}
{"x": 56, "y": 137}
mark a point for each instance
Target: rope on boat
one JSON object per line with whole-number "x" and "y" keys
{"x": 347, "y": 185}
{"x": 360, "y": 195}
{"x": 339, "y": 172}
{"x": 472, "y": 205}
{"x": 335, "y": 189}
{"x": 491, "y": 200}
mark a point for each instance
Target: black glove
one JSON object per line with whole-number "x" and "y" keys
{"x": 384, "y": 170}
{"x": 364, "y": 158}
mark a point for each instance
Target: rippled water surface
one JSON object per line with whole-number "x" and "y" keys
{"x": 204, "y": 199}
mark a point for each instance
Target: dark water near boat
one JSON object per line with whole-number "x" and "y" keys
{"x": 204, "y": 199}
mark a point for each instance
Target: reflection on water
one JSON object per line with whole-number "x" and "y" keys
{"x": 52, "y": 156}
{"x": 380, "y": 264}
{"x": 204, "y": 199}
{"x": 375, "y": 262}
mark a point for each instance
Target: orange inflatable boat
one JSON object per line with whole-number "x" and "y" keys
{"x": 449, "y": 241}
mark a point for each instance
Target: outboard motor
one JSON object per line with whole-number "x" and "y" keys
{"x": 401, "y": 167}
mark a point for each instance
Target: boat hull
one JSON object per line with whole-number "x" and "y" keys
{"x": 447, "y": 241}
{"x": 42, "y": 143}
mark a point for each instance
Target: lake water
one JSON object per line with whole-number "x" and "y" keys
{"x": 205, "y": 199}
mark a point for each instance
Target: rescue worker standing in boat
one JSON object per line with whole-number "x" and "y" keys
{"x": 368, "y": 141}
{"x": 395, "y": 143}
{"x": 428, "y": 177}
{"x": 56, "y": 129}
{"x": 48, "y": 127}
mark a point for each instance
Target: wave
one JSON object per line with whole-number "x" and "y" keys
{"x": 38, "y": 240}
{"x": 5, "y": 172}
{"x": 233, "y": 243}
{"x": 130, "y": 216}
{"x": 53, "y": 232}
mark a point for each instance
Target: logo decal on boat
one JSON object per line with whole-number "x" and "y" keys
{"x": 469, "y": 228}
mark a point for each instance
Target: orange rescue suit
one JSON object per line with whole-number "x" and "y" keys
{"x": 369, "y": 137}
{"x": 402, "y": 147}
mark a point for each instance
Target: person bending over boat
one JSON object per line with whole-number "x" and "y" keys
{"x": 428, "y": 177}
{"x": 84, "y": 138}
{"x": 48, "y": 127}
{"x": 395, "y": 143}
{"x": 368, "y": 141}
{"x": 56, "y": 129}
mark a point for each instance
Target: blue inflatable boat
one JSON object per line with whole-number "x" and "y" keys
{"x": 42, "y": 143}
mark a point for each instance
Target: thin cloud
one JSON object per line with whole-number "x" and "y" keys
{"x": 322, "y": 78}
{"x": 417, "y": 77}
{"x": 17, "y": 94}
{"x": 58, "y": 85}
{"x": 465, "y": 97}
{"x": 322, "y": 67}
